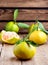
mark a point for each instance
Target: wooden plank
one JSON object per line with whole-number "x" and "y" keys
{"x": 2, "y": 26}
{"x": 0, "y": 48}
{"x": 41, "y": 57}
{"x": 24, "y": 14}
{"x": 24, "y": 3}
{"x": 7, "y": 56}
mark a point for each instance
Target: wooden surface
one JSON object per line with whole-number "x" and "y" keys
{"x": 7, "y": 57}
{"x": 40, "y": 9}
{"x": 24, "y": 14}
{"x": 24, "y": 3}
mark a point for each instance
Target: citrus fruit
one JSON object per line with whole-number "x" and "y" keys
{"x": 9, "y": 37}
{"x": 24, "y": 51}
{"x": 38, "y": 37}
{"x": 11, "y": 26}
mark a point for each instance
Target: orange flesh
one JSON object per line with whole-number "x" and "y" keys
{"x": 7, "y": 35}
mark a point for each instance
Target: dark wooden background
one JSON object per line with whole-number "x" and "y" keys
{"x": 28, "y": 11}
{"x": 23, "y": 3}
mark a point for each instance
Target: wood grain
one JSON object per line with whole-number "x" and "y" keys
{"x": 24, "y": 3}
{"x": 8, "y": 57}
{"x": 24, "y": 14}
{"x": 0, "y": 48}
{"x": 40, "y": 58}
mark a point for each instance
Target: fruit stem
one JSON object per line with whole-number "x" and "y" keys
{"x": 37, "y": 26}
{"x": 37, "y": 19}
{"x": 27, "y": 36}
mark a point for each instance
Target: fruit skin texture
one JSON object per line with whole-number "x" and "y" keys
{"x": 15, "y": 28}
{"x": 38, "y": 37}
{"x": 11, "y": 26}
{"x": 23, "y": 51}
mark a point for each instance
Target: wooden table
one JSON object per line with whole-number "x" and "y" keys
{"x": 28, "y": 12}
{"x": 7, "y": 57}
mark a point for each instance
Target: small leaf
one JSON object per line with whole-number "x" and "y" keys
{"x": 42, "y": 27}
{"x": 15, "y": 14}
{"x": 23, "y": 25}
{"x": 32, "y": 43}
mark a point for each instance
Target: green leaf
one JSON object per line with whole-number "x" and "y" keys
{"x": 42, "y": 27}
{"x": 18, "y": 42}
{"x": 32, "y": 43}
{"x": 15, "y": 14}
{"x": 23, "y": 25}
